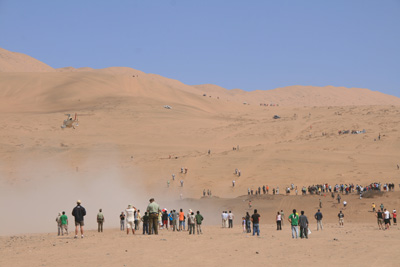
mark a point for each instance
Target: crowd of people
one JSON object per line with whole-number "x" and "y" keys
{"x": 324, "y": 188}
{"x": 153, "y": 219}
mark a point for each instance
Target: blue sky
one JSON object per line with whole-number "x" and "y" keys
{"x": 235, "y": 44}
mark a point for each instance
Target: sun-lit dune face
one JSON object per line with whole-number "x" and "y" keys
{"x": 17, "y": 62}
{"x": 136, "y": 130}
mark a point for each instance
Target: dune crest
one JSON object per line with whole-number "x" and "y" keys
{"x": 18, "y": 62}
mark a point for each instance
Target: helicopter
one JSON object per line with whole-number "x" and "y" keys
{"x": 69, "y": 122}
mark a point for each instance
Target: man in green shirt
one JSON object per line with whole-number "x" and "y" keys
{"x": 100, "y": 221}
{"x": 153, "y": 209}
{"x": 199, "y": 219}
{"x": 64, "y": 223}
{"x": 294, "y": 222}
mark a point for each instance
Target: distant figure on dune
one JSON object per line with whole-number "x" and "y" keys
{"x": 341, "y": 218}
{"x": 394, "y": 215}
{"x": 79, "y": 212}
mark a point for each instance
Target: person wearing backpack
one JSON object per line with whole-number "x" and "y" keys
{"x": 100, "y": 221}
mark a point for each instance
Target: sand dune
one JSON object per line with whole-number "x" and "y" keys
{"x": 17, "y": 62}
{"x": 127, "y": 146}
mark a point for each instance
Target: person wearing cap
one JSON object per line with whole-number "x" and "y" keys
{"x": 79, "y": 212}
{"x": 153, "y": 209}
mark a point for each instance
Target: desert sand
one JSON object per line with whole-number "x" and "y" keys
{"x": 127, "y": 146}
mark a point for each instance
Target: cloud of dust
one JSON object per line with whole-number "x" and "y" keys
{"x": 42, "y": 189}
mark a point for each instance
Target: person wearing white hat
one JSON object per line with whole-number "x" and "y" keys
{"x": 78, "y": 212}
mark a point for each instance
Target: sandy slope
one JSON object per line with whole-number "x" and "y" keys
{"x": 17, "y": 62}
{"x": 215, "y": 247}
{"x": 128, "y": 145}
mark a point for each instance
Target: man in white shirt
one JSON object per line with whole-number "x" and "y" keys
{"x": 130, "y": 219}
{"x": 386, "y": 216}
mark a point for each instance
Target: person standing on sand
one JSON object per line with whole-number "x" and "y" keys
{"x": 320, "y": 203}
{"x": 255, "y": 218}
{"x": 130, "y": 219}
{"x": 230, "y": 218}
{"x": 100, "y": 221}
{"x": 338, "y": 198}
{"x": 278, "y": 221}
{"x": 145, "y": 220}
{"x": 199, "y": 219}
{"x": 165, "y": 219}
{"x": 341, "y": 218}
{"x": 386, "y": 216}
{"x": 181, "y": 219}
{"x": 303, "y": 222}
{"x": 248, "y": 222}
{"x": 318, "y": 216}
{"x": 394, "y": 215}
{"x": 283, "y": 217}
{"x": 153, "y": 209}
{"x": 64, "y": 223}
{"x": 373, "y": 207}
{"x": 79, "y": 212}
{"x": 58, "y": 220}
{"x": 191, "y": 223}
{"x": 294, "y": 222}
{"x": 379, "y": 216}
{"x": 122, "y": 221}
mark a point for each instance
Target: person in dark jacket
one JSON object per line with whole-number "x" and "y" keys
{"x": 318, "y": 216}
{"x": 79, "y": 212}
{"x": 303, "y": 222}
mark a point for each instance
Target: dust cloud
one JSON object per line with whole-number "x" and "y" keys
{"x": 39, "y": 190}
